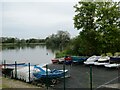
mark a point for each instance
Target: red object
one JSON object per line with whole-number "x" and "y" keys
{"x": 55, "y": 60}
{"x": 68, "y": 58}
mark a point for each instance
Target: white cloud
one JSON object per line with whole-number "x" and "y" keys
{"x": 40, "y": 0}
{"x": 52, "y": 0}
{"x": 0, "y": 19}
{"x": 36, "y": 19}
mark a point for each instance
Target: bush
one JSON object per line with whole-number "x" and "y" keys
{"x": 60, "y": 54}
{"x": 117, "y": 54}
{"x": 109, "y": 54}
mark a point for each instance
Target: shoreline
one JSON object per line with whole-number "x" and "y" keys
{"x": 10, "y": 44}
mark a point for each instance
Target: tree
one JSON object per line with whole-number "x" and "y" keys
{"x": 59, "y": 40}
{"x": 63, "y": 38}
{"x": 85, "y": 20}
{"x": 100, "y": 26}
{"x": 108, "y": 21}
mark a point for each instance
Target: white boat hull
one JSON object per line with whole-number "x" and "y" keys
{"x": 91, "y": 60}
{"x": 89, "y": 63}
{"x": 100, "y": 64}
{"x": 23, "y": 73}
{"x": 112, "y": 65}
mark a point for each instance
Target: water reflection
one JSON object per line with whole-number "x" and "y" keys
{"x": 53, "y": 49}
{"x": 29, "y": 53}
{"x": 0, "y": 48}
{"x": 7, "y": 47}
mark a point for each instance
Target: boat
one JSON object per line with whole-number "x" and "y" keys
{"x": 9, "y": 67}
{"x": 104, "y": 60}
{"x": 55, "y": 60}
{"x": 43, "y": 73}
{"x": 91, "y": 60}
{"x": 78, "y": 59}
{"x": 12, "y": 65}
{"x": 114, "y": 62}
{"x": 23, "y": 73}
{"x": 68, "y": 60}
{"x": 61, "y": 60}
{"x": 115, "y": 59}
{"x": 36, "y": 72}
{"x": 114, "y": 65}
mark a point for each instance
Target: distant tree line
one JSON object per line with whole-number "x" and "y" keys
{"x": 5, "y": 40}
{"x": 58, "y": 41}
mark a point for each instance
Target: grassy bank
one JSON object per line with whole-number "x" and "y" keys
{"x": 6, "y": 83}
{"x": 65, "y": 53}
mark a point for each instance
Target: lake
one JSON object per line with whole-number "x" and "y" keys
{"x": 35, "y": 54}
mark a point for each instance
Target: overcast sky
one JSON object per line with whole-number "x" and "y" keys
{"x": 36, "y": 18}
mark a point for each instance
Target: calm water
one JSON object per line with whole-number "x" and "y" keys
{"x": 33, "y": 54}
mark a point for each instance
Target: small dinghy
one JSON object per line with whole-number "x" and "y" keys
{"x": 40, "y": 72}
{"x": 23, "y": 73}
{"x": 114, "y": 65}
{"x": 114, "y": 62}
{"x": 104, "y": 60}
{"x": 91, "y": 60}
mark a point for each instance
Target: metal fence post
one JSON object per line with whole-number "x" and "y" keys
{"x": 64, "y": 73}
{"x": 118, "y": 75}
{"x": 90, "y": 77}
{"x": 5, "y": 66}
{"x": 11, "y": 74}
{"x": 47, "y": 76}
{"x": 29, "y": 71}
{"x": 15, "y": 70}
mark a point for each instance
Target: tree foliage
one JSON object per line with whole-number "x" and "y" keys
{"x": 59, "y": 40}
{"x": 99, "y": 23}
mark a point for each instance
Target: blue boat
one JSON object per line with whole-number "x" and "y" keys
{"x": 13, "y": 64}
{"x": 115, "y": 59}
{"x": 78, "y": 59}
{"x": 40, "y": 72}
{"x": 68, "y": 62}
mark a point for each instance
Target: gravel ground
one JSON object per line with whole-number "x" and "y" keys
{"x": 80, "y": 76}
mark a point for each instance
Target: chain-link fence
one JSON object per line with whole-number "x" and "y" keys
{"x": 65, "y": 76}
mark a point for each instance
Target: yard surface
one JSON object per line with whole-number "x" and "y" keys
{"x": 79, "y": 78}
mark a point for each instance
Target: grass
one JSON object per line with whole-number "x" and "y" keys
{"x": 4, "y": 86}
{"x": 6, "y": 83}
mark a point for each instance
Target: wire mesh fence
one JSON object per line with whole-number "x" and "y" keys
{"x": 65, "y": 77}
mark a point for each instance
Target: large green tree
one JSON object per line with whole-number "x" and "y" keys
{"x": 108, "y": 26}
{"x": 99, "y": 25}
